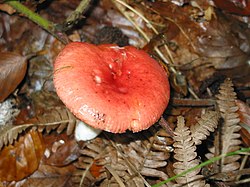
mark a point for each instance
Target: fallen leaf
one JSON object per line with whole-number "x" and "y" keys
{"x": 49, "y": 176}
{"x": 21, "y": 159}
{"x": 61, "y": 149}
{"x": 13, "y": 68}
{"x": 244, "y": 114}
{"x": 7, "y": 8}
{"x": 241, "y": 7}
{"x": 95, "y": 170}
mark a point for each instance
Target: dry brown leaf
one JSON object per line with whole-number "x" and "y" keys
{"x": 241, "y": 7}
{"x": 205, "y": 46}
{"x": 49, "y": 176}
{"x": 21, "y": 159}
{"x": 103, "y": 13}
{"x": 61, "y": 150}
{"x": 244, "y": 115}
{"x": 7, "y": 8}
{"x": 13, "y": 68}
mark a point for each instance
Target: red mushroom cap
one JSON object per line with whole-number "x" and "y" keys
{"x": 111, "y": 88}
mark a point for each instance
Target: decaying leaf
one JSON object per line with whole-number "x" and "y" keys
{"x": 244, "y": 115}
{"x": 7, "y": 8}
{"x": 241, "y": 7}
{"x": 197, "y": 41}
{"x": 21, "y": 159}
{"x": 185, "y": 154}
{"x": 13, "y": 68}
{"x": 49, "y": 176}
{"x": 206, "y": 124}
{"x": 61, "y": 150}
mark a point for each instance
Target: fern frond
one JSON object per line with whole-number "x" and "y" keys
{"x": 9, "y": 133}
{"x": 185, "y": 154}
{"x": 57, "y": 119}
{"x": 145, "y": 154}
{"x": 100, "y": 152}
{"x": 129, "y": 156}
{"x": 230, "y": 137}
{"x": 206, "y": 124}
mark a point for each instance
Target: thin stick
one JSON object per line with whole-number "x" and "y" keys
{"x": 193, "y": 102}
{"x": 115, "y": 175}
{"x": 76, "y": 14}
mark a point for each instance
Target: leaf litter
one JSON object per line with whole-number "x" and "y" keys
{"x": 201, "y": 45}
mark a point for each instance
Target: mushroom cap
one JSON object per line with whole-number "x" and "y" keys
{"x": 111, "y": 88}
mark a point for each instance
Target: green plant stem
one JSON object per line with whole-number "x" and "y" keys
{"x": 44, "y": 23}
{"x": 243, "y": 150}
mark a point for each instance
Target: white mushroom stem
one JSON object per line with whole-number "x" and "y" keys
{"x": 84, "y": 132}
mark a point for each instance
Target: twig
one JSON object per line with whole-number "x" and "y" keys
{"x": 192, "y": 102}
{"x": 243, "y": 181}
{"x": 243, "y": 163}
{"x": 36, "y": 18}
{"x": 223, "y": 176}
{"x": 166, "y": 126}
{"x": 76, "y": 15}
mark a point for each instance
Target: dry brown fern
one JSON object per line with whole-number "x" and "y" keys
{"x": 126, "y": 159}
{"x": 9, "y": 133}
{"x": 91, "y": 171}
{"x": 206, "y": 124}
{"x": 230, "y": 137}
{"x": 57, "y": 119}
{"x": 185, "y": 154}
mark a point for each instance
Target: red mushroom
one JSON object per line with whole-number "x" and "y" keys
{"x": 111, "y": 88}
